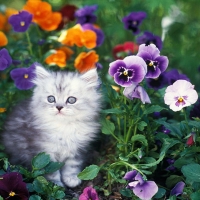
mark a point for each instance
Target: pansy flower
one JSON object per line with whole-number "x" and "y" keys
{"x": 132, "y": 69}
{"x": 156, "y": 64}
{"x": 122, "y": 50}
{"x": 178, "y": 189}
{"x": 143, "y": 189}
{"x": 97, "y": 30}
{"x": 157, "y": 83}
{"x": 133, "y": 20}
{"x": 136, "y": 91}
{"x": 21, "y": 21}
{"x": 174, "y": 75}
{"x": 86, "y": 14}
{"x": 5, "y": 59}
{"x": 2, "y": 110}
{"x": 149, "y": 38}
{"x": 179, "y": 95}
{"x": 86, "y": 61}
{"x": 13, "y": 187}
{"x": 89, "y": 193}
{"x": 23, "y": 77}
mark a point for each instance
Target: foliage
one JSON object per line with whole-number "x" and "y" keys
{"x": 160, "y": 144}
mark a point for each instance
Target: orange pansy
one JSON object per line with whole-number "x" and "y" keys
{"x": 89, "y": 38}
{"x": 51, "y": 22}
{"x": 67, "y": 51}
{"x": 58, "y": 58}
{"x": 2, "y": 21}
{"x": 39, "y": 9}
{"x": 10, "y": 11}
{"x": 86, "y": 61}
{"x": 3, "y": 39}
{"x": 2, "y": 110}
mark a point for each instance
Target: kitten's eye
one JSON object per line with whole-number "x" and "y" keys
{"x": 51, "y": 99}
{"x": 71, "y": 100}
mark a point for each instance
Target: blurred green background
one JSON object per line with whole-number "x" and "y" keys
{"x": 182, "y": 40}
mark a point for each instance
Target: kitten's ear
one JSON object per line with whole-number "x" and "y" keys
{"x": 40, "y": 73}
{"x": 91, "y": 77}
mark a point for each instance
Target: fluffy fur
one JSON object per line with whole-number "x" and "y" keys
{"x": 38, "y": 126}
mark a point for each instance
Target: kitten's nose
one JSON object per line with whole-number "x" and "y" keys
{"x": 59, "y": 107}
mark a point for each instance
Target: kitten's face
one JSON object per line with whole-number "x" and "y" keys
{"x": 63, "y": 96}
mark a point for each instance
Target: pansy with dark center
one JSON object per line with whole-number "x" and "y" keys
{"x": 149, "y": 38}
{"x": 131, "y": 69}
{"x": 5, "y": 59}
{"x": 13, "y": 187}
{"x": 21, "y": 21}
{"x": 156, "y": 64}
{"x": 23, "y": 76}
{"x": 143, "y": 189}
{"x": 85, "y": 15}
{"x": 133, "y": 20}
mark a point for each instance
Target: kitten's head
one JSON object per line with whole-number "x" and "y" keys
{"x": 67, "y": 96}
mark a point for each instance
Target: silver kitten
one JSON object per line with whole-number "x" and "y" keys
{"x": 61, "y": 119}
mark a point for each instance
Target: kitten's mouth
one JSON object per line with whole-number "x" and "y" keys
{"x": 59, "y": 113}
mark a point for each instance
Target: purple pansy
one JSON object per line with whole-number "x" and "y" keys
{"x": 173, "y": 75}
{"x": 178, "y": 189}
{"x": 157, "y": 83}
{"x": 23, "y": 76}
{"x": 99, "y": 32}
{"x": 133, "y": 20}
{"x": 21, "y": 21}
{"x": 170, "y": 163}
{"x": 89, "y": 193}
{"x": 156, "y": 64}
{"x": 85, "y": 15}
{"x": 136, "y": 91}
{"x": 5, "y": 59}
{"x": 13, "y": 187}
{"x": 149, "y": 38}
{"x": 132, "y": 69}
{"x": 179, "y": 95}
{"x": 143, "y": 189}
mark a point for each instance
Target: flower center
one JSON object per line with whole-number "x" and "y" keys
{"x": 180, "y": 99}
{"x": 125, "y": 72}
{"x": 22, "y": 23}
{"x": 12, "y": 194}
{"x": 151, "y": 64}
{"x": 26, "y": 76}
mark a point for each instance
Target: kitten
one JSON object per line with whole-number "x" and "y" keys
{"x": 61, "y": 119}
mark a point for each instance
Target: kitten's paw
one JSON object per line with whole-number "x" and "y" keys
{"x": 71, "y": 181}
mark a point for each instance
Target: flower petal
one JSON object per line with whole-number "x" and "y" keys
{"x": 178, "y": 189}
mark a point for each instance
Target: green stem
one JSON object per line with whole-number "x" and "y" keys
{"x": 186, "y": 119}
{"x": 29, "y": 43}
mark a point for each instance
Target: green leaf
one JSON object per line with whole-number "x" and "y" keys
{"x": 126, "y": 192}
{"x": 59, "y": 194}
{"x": 53, "y": 166}
{"x": 89, "y": 172}
{"x": 154, "y": 108}
{"x": 1, "y": 198}
{"x": 112, "y": 111}
{"x": 195, "y": 196}
{"x": 161, "y": 192}
{"x": 183, "y": 161}
{"x": 140, "y": 138}
{"x": 172, "y": 180}
{"x": 39, "y": 184}
{"x": 107, "y": 126}
{"x": 40, "y": 161}
{"x": 191, "y": 172}
{"x": 35, "y": 197}
{"x": 141, "y": 125}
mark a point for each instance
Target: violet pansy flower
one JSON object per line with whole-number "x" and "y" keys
{"x": 21, "y": 21}
{"x": 136, "y": 91}
{"x": 143, "y": 189}
{"x": 156, "y": 64}
{"x": 5, "y": 59}
{"x": 89, "y": 193}
{"x": 174, "y": 75}
{"x": 178, "y": 189}
{"x": 86, "y": 14}
{"x": 23, "y": 77}
{"x": 133, "y": 20}
{"x": 179, "y": 95}
{"x": 13, "y": 187}
{"x": 149, "y": 38}
{"x": 132, "y": 69}
{"x": 98, "y": 31}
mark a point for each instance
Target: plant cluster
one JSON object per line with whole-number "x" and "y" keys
{"x": 150, "y": 117}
